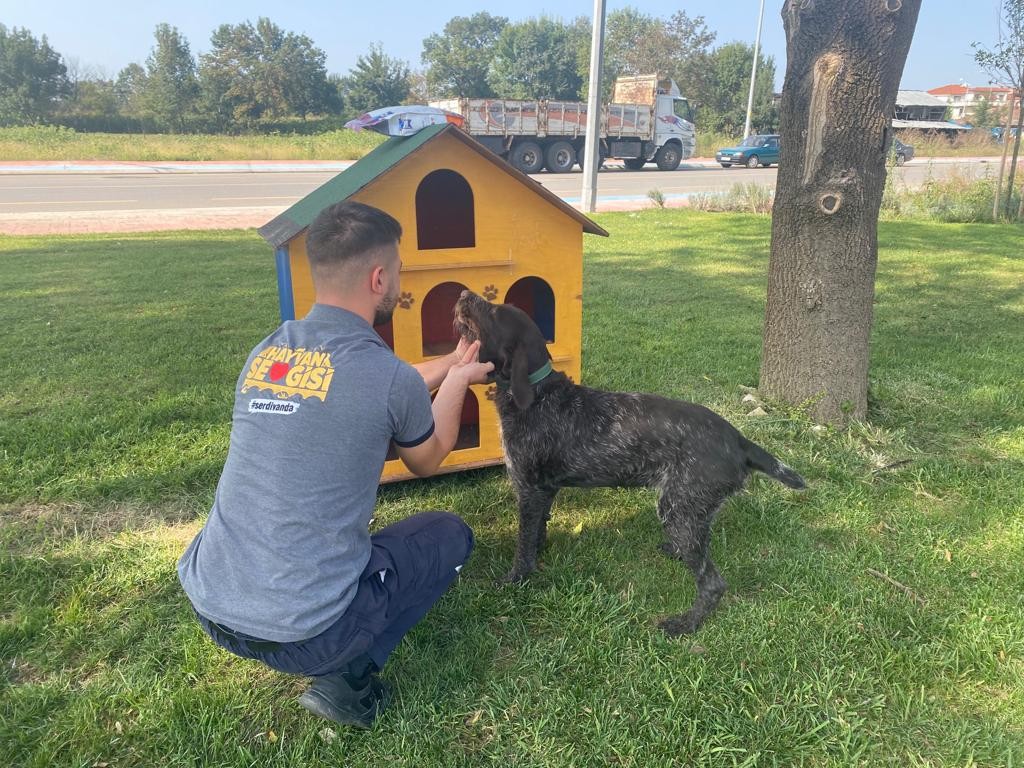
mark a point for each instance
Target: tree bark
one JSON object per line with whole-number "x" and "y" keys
{"x": 1002, "y": 162}
{"x": 1016, "y": 151}
{"x": 844, "y": 62}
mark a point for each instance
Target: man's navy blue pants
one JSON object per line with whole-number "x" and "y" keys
{"x": 412, "y": 563}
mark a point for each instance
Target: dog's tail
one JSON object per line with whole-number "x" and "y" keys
{"x": 758, "y": 458}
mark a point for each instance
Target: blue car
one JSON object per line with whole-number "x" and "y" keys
{"x": 759, "y": 149}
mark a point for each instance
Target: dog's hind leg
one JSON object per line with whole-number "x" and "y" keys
{"x": 686, "y": 519}
{"x": 534, "y": 511}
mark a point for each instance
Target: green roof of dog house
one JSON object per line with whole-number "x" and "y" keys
{"x": 383, "y": 158}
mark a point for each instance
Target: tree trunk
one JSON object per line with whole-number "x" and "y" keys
{"x": 844, "y": 62}
{"x": 1016, "y": 153}
{"x": 1002, "y": 162}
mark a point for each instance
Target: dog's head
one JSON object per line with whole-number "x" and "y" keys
{"x": 508, "y": 338}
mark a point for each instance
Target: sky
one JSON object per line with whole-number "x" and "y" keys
{"x": 103, "y": 36}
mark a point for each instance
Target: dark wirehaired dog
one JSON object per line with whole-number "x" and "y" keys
{"x": 558, "y": 434}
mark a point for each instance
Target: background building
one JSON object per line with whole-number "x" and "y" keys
{"x": 963, "y": 99}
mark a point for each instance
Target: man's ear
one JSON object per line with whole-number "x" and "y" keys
{"x": 522, "y": 390}
{"x": 377, "y": 279}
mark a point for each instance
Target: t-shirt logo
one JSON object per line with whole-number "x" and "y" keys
{"x": 289, "y": 372}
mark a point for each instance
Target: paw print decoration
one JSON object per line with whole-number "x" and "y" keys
{"x": 405, "y": 300}
{"x": 491, "y": 393}
{"x": 490, "y": 292}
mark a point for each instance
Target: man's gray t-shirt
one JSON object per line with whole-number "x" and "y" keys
{"x": 288, "y": 535}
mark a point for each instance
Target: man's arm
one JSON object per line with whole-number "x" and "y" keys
{"x": 425, "y": 458}
{"x": 434, "y": 371}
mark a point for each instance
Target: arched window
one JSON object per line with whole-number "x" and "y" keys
{"x": 535, "y": 298}
{"x": 444, "y": 212}
{"x": 438, "y": 314}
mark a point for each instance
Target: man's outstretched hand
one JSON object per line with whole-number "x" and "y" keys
{"x": 468, "y": 364}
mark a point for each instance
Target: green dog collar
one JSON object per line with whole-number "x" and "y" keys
{"x": 541, "y": 373}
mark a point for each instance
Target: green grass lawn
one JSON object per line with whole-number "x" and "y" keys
{"x": 53, "y": 143}
{"x": 120, "y": 354}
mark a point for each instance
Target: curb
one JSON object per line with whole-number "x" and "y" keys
{"x": 177, "y": 166}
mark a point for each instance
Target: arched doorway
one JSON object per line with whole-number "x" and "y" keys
{"x": 444, "y": 212}
{"x": 438, "y": 311}
{"x": 535, "y": 297}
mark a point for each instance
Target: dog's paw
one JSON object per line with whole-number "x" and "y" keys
{"x": 515, "y": 576}
{"x": 683, "y": 624}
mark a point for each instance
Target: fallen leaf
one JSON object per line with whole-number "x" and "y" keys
{"x": 118, "y": 727}
{"x": 100, "y": 765}
{"x": 697, "y": 650}
{"x": 1002, "y": 655}
{"x": 327, "y": 735}
{"x": 949, "y": 556}
{"x": 271, "y": 737}
{"x": 578, "y": 529}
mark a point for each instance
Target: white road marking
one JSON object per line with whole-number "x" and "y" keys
{"x": 275, "y": 197}
{"x": 66, "y": 202}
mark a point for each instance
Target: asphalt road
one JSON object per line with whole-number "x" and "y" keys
{"x": 79, "y": 193}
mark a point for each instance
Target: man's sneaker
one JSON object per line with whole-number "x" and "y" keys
{"x": 350, "y": 702}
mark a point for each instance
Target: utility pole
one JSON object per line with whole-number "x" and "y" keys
{"x": 753, "y": 72}
{"x": 592, "y": 151}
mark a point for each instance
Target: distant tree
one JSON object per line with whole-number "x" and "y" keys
{"x": 130, "y": 90}
{"x": 1004, "y": 61}
{"x": 983, "y": 114}
{"x": 536, "y": 59}
{"x": 76, "y": 74}
{"x": 33, "y": 78}
{"x": 645, "y": 45}
{"x": 256, "y": 71}
{"x": 581, "y": 34}
{"x": 91, "y": 98}
{"x": 723, "y": 102}
{"x": 376, "y": 81}
{"x": 637, "y": 43}
{"x": 171, "y": 87}
{"x": 305, "y": 85}
{"x": 336, "y": 83}
{"x": 459, "y": 58}
{"x": 691, "y": 41}
{"x": 90, "y": 95}
{"x": 420, "y": 91}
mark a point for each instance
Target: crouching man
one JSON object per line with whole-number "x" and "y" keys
{"x": 285, "y": 570}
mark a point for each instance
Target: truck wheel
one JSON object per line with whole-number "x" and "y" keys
{"x": 634, "y": 163}
{"x": 753, "y": 161}
{"x": 527, "y": 157}
{"x": 560, "y": 157}
{"x": 668, "y": 157}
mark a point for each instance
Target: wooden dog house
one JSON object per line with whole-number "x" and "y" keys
{"x": 469, "y": 220}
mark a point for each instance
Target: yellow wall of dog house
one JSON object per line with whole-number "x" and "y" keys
{"x": 518, "y": 234}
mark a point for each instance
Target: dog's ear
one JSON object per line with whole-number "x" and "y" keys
{"x": 522, "y": 390}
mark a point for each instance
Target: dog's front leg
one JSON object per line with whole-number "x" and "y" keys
{"x": 534, "y": 506}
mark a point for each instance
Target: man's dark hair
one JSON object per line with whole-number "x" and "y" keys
{"x": 347, "y": 230}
